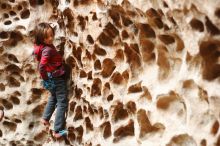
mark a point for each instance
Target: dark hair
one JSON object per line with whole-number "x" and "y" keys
{"x": 40, "y": 32}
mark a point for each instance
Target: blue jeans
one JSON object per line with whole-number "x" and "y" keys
{"x": 58, "y": 99}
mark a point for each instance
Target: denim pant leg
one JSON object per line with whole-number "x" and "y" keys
{"x": 62, "y": 104}
{"x": 50, "y": 107}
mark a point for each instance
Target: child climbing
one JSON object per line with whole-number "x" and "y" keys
{"x": 52, "y": 71}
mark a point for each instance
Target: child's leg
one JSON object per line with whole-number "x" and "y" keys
{"x": 62, "y": 104}
{"x": 50, "y": 107}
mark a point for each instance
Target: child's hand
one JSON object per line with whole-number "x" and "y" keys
{"x": 48, "y": 84}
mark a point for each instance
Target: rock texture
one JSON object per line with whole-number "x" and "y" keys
{"x": 142, "y": 72}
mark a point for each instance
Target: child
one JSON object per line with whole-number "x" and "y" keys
{"x": 52, "y": 72}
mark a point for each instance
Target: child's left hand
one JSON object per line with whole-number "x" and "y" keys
{"x": 48, "y": 84}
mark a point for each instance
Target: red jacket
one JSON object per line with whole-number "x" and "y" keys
{"x": 50, "y": 61}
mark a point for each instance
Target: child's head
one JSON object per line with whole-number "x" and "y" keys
{"x": 44, "y": 34}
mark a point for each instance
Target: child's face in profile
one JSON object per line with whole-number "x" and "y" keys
{"x": 49, "y": 37}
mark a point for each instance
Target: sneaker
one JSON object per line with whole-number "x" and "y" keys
{"x": 60, "y": 134}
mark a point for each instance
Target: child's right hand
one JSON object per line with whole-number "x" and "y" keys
{"x": 48, "y": 84}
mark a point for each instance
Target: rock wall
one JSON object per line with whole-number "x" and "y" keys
{"x": 143, "y": 72}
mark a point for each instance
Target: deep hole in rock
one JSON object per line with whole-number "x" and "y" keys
{"x": 197, "y": 24}
{"x": 12, "y": 13}
{"x": 8, "y": 22}
{"x": 5, "y": 15}
{"x": 217, "y": 12}
{"x": 8, "y": 105}
{"x": 4, "y": 35}
{"x": 211, "y": 28}
{"x": 25, "y": 14}
{"x": 14, "y": 99}
{"x": 34, "y": 3}
{"x": 10, "y": 125}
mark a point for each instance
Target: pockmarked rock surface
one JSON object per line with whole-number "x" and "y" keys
{"x": 142, "y": 72}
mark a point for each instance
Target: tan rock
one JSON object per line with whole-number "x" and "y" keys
{"x": 165, "y": 53}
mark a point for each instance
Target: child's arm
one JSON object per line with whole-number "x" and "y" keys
{"x": 46, "y": 54}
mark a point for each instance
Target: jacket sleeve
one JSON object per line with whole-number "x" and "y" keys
{"x": 45, "y": 57}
